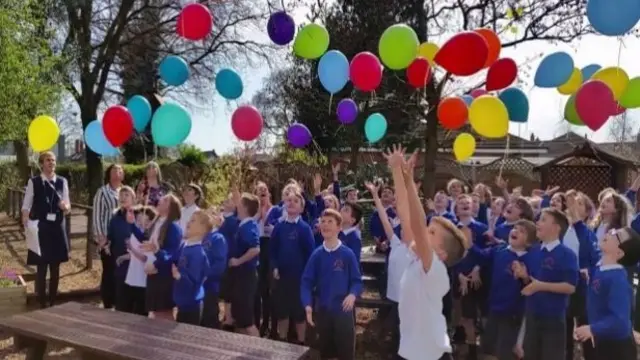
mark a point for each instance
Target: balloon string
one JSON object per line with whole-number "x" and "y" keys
{"x": 330, "y": 102}
{"x": 506, "y": 153}
{"x": 619, "y": 53}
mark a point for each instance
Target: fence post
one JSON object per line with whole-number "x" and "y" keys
{"x": 90, "y": 242}
{"x": 8, "y": 200}
{"x": 67, "y": 227}
{"x": 13, "y": 196}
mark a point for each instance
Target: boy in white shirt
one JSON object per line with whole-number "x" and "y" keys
{"x": 192, "y": 195}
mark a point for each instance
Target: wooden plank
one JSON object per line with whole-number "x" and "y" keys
{"x": 368, "y": 303}
{"x": 125, "y": 336}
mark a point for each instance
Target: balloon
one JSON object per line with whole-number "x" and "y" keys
{"x": 333, "y": 70}
{"x": 463, "y": 146}
{"x": 398, "y": 46}
{"x": 570, "y": 113}
{"x": 613, "y": 18}
{"x": 298, "y": 135}
{"x": 589, "y": 70}
{"x": 117, "y": 125}
{"x": 468, "y": 99}
{"x": 96, "y": 141}
{"x": 478, "y": 92}
{"x": 501, "y": 74}
{"x": 140, "y": 111}
{"x": 428, "y": 51}
{"x": 630, "y": 99}
{"x": 419, "y": 73}
{"x": 615, "y": 78}
{"x": 365, "y": 71}
{"x": 174, "y": 70}
{"x": 554, "y": 70}
{"x": 246, "y": 123}
{"x": 452, "y": 113}
{"x": 281, "y": 28}
{"x": 493, "y": 44}
{"x": 43, "y": 133}
{"x": 595, "y": 102}
{"x": 347, "y": 111}
{"x": 375, "y": 127}
{"x": 171, "y": 125}
{"x": 618, "y": 110}
{"x": 517, "y": 104}
{"x": 464, "y": 54}
{"x": 229, "y": 84}
{"x": 311, "y": 42}
{"x": 194, "y": 22}
{"x": 489, "y": 117}
{"x": 573, "y": 84}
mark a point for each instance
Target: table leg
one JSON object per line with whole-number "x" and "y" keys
{"x": 36, "y": 349}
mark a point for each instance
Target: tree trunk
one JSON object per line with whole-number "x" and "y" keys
{"x": 22, "y": 158}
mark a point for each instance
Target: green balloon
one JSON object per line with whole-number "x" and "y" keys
{"x": 311, "y": 42}
{"x": 398, "y": 46}
{"x": 630, "y": 98}
{"x": 170, "y": 125}
{"x": 570, "y": 112}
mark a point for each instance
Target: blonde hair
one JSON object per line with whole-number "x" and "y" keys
{"x": 203, "y": 218}
{"x": 153, "y": 165}
{"x": 456, "y": 243}
{"x": 334, "y": 199}
{"x": 131, "y": 192}
{"x": 44, "y": 155}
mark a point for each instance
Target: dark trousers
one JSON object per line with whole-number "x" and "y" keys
{"x": 131, "y": 299}
{"x": 262, "y": 301}
{"x": 545, "y": 338}
{"x": 210, "y": 311}
{"x": 108, "y": 280}
{"x": 615, "y": 349}
{"x": 191, "y": 317}
{"x": 41, "y": 284}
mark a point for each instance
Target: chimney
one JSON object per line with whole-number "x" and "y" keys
{"x": 532, "y": 137}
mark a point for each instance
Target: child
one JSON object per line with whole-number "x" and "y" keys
{"x": 551, "y": 277}
{"x": 441, "y": 207}
{"x": 455, "y": 187}
{"x": 190, "y": 267}
{"x": 228, "y": 229}
{"x": 290, "y": 246}
{"x": 333, "y": 271}
{"x": 518, "y": 208}
{"x": 192, "y": 195}
{"x": 350, "y": 236}
{"x": 609, "y": 299}
{"x": 215, "y": 246}
{"x": 118, "y": 233}
{"x": 268, "y": 216}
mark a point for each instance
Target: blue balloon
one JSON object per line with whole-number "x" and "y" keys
{"x": 468, "y": 99}
{"x": 517, "y": 104}
{"x": 375, "y": 127}
{"x": 174, "y": 70}
{"x": 554, "y": 70}
{"x": 613, "y": 17}
{"x": 170, "y": 126}
{"x": 96, "y": 141}
{"x": 588, "y": 71}
{"x": 229, "y": 84}
{"x": 333, "y": 70}
{"x": 140, "y": 110}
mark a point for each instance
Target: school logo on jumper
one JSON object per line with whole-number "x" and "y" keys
{"x": 548, "y": 263}
{"x": 338, "y": 265}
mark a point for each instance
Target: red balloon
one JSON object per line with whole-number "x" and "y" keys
{"x": 501, "y": 74}
{"x": 194, "y": 22}
{"x": 452, "y": 113}
{"x": 117, "y": 124}
{"x": 419, "y": 73}
{"x": 618, "y": 110}
{"x": 246, "y": 123}
{"x": 595, "y": 104}
{"x": 478, "y": 92}
{"x": 365, "y": 71}
{"x": 464, "y": 54}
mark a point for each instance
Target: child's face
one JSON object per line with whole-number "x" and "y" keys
{"x": 293, "y": 205}
{"x": 163, "y": 206}
{"x": 556, "y": 202}
{"x": 125, "y": 199}
{"x": 546, "y": 227}
{"x": 607, "y": 206}
{"x": 441, "y": 201}
{"x": 143, "y": 221}
{"x": 262, "y": 191}
{"x": 329, "y": 203}
{"x": 288, "y": 190}
{"x": 352, "y": 195}
{"x": 475, "y": 206}
{"x": 512, "y": 212}
{"x": 497, "y": 206}
{"x": 518, "y": 237}
{"x": 609, "y": 244}
{"x": 455, "y": 189}
{"x": 196, "y": 228}
{"x": 464, "y": 206}
{"x": 329, "y": 227}
{"x": 347, "y": 218}
{"x": 437, "y": 236}
{"x": 189, "y": 195}
{"x": 387, "y": 196}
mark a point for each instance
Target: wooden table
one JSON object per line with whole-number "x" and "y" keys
{"x": 102, "y": 334}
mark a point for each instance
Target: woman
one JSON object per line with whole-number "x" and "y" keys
{"x": 104, "y": 203}
{"x": 46, "y": 201}
{"x": 150, "y": 190}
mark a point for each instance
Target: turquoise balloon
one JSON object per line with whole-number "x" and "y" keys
{"x": 229, "y": 84}
{"x": 517, "y": 104}
{"x": 588, "y": 71}
{"x": 140, "y": 110}
{"x": 174, "y": 70}
{"x": 375, "y": 127}
{"x": 170, "y": 126}
{"x": 96, "y": 140}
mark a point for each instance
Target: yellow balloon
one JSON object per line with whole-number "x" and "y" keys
{"x": 464, "y": 146}
{"x": 616, "y": 79}
{"x": 489, "y": 117}
{"x": 428, "y": 51}
{"x": 43, "y": 133}
{"x": 573, "y": 84}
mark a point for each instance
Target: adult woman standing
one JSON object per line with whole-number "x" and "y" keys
{"x": 151, "y": 189}
{"x": 46, "y": 200}
{"x": 105, "y": 203}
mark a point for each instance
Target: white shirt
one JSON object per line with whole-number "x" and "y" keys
{"x": 136, "y": 276}
{"x": 28, "y": 193}
{"x": 185, "y": 216}
{"x": 399, "y": 260}
{"x": 551, "y": 245}
{"x": 423, "y": 328}
{"x": 264, "y": 228}
{"x": 571, "y": 240}
{"x": 155, "y": 232}
{"x": 601, "y": 231}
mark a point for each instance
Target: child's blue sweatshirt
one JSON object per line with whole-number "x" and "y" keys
{"x": 334, "y": 274}
{"x": 247, "y": 237}
{"x": 375, "y": 224}
{"x": 467, "y": 263}
{"x": 502, "y": 231}
{"x": 118, "y": 233}
{"x": 167, "y": 249}
{"x": 193, "y": 265}
{"x": 290, "y": 246}
{"x": 583, "y": 242}
{"x": 215, "y": 246}
{"x": 609, "y": 301}
{"x": 447, "y": 215}
{"x": 351, "y": 238}
{"x": 229, "y": 226}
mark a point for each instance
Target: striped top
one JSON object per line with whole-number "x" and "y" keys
{"x": 104, "y": 203}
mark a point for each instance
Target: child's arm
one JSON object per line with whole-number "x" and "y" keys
{"x": 171, "y": 245}
{"x": 274, "y": 247}
{"x": 355, "y": 277}
{"x": 308, "y": 280}
{"x": 217, "y": 257}
{"x": 193, "y": 274}
{"x": 308, "y": 242}
{"x": 402, "y": 203}
{"x": 380, "y": 210}
{"x": 251, "y": 238}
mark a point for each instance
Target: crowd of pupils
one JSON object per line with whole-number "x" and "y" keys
{"x": 481, "y": 267}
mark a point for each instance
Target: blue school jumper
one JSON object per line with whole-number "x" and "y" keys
{"x": 229, "y": 226}
{"x": 467, "y": 263}
{"x": 375, "y": 224}
{"x": 193, "y": 265}
{"x": 118, "y": 233}
{"x": 583, "y": 242}
{"x": 609, "y": 302}
{"x": 215, "y": 247}
{"x": 290, "y": 246}
{"x": 352, "y": 239}
{"x": 52, "y": 236}
{"x": 502, "y": 231}
{"x": 247, "y": 237}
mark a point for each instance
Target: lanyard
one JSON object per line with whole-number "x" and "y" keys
{"x": 55, "y": 192}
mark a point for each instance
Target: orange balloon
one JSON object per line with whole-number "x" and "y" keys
{"x": 452, "y": 113}
{"x": 493, "y": 43}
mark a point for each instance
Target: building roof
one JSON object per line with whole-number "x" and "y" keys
{"x": 589, "y": 149}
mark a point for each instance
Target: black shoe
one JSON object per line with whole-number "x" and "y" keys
{"x": 229, "y": 328}
{"x": 459, "y": 335}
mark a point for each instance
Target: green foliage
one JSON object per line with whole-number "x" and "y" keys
{"x": 287, "y": 155}
{"x": 227, "y": 171}
{"x": 190, "y": 155}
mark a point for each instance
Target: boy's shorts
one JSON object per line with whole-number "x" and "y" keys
{"x": 545, "y": 338}
{"x": 243, "y": 285}
{"x": 500, "y": 336}
{"x": 336, "y": 334}
{"x": 226, "y": 287}
{"x": 286, "y": 300}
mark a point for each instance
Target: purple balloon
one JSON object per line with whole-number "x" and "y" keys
{"x": 298, "y": 135}
{"x": 347, "y": 111}
{"x": 281, "y": 28}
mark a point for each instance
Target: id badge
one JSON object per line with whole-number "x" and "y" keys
{"x": 51, "y": 217}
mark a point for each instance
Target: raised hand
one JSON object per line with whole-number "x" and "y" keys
{"x": 317, "y": 182}
{"x": 501, "y": 183}
{"x": 395, "y": 156}
{"x": 551, "y": 190}
{"x": 410, "y": 164}
{"x": 373, "y": 188}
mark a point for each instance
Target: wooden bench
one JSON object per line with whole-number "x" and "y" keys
{"x": 369, "y": 303}
{"x": 372, "y": 264}
{"x": 99, "y": 334}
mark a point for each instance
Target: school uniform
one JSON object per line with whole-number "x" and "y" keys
{"x": 215, "y": 247}
{"x": 445, "y": 214}
{"x": 334, "y": 273}
{"x": 262, "y": 301}
{"x": 244, "y": 278}
{"x": 290, "y": 246}
{"x": 135, "y": 283}
{"x": 502, "y": 231}
{"x": 399, "y": 260}
{"x": 352, "y": 239}
{"x": 118, "y": 233}
{"x": 188, "y": 291}
{"x": 185, "y": 216}
{"x": 228, "y": 229}
{"x": 545, "y": 329}
{"x": 473, "y": 304}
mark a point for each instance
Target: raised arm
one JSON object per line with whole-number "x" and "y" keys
{"x": 382, "y": 213}
{"x": 402, "y": 203}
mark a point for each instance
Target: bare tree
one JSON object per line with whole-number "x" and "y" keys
{"x": 624, "y": 133}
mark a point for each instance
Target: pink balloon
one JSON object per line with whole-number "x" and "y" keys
{"x": 478, "y": 92}
{"x": 618, "y": 110}
{"x": 365, "y": 71}
{"x": 595, "y": 103}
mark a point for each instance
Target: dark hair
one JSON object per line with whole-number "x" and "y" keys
{"x": 630, "y": 246}
{"x": 251, "y": 203}
{"x": 563, "y": 200}
{"x": 559, "y": 218}
{"x": 175, "y": 211}
{"x": 333, "y": 214}
{"x": 526, "y": 211}
{"x": 386, "y": 187}
{"x": 356, "y": 212}
{"x": 107, "y": 172}
{"x": 529, "y": 228}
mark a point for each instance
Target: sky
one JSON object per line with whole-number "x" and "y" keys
{"x": 212, "y": 129}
